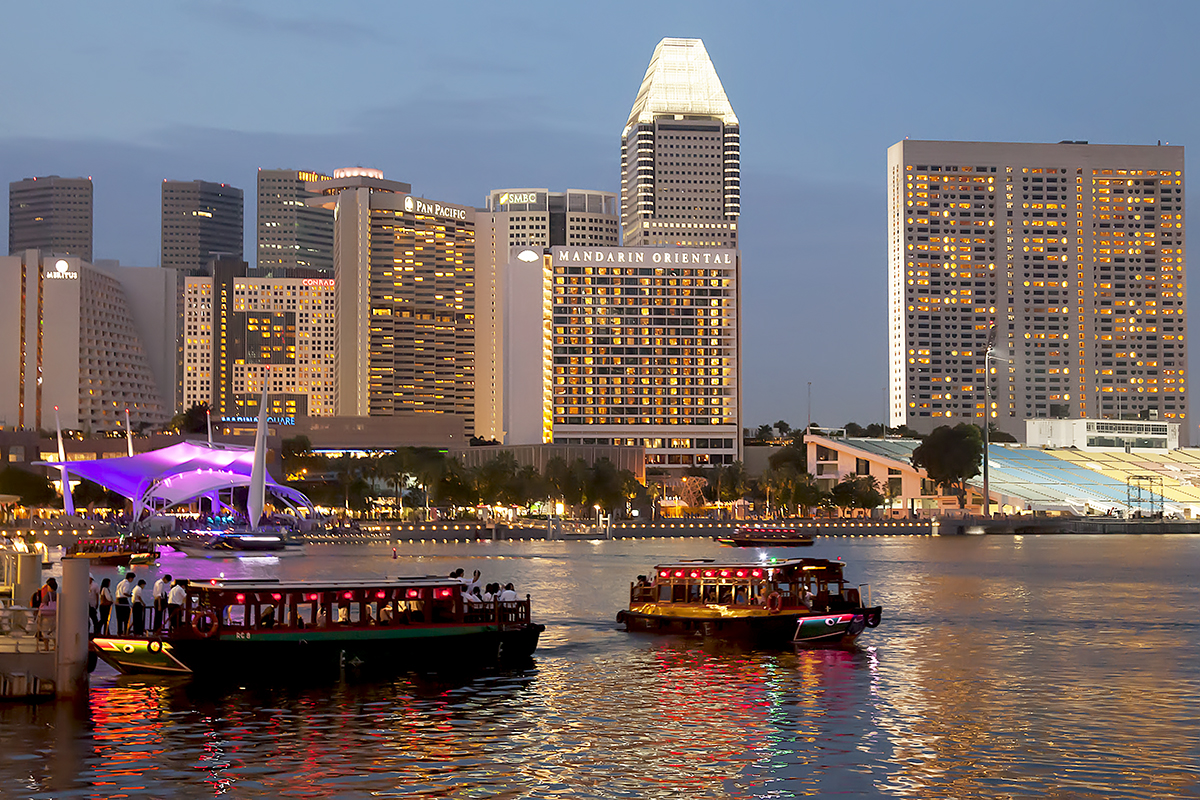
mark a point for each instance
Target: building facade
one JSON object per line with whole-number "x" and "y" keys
{"x": 681, "y": 154}
{"x": 68, "y": 340}
{"x": 243, "y": 334}
{"x": 291, "y": 233}
{"x": 51, "y": 214}
{"x": 200, "y": 221}
{"x": 404, "y": 300}
{"x": 1074, "y": 251}
{"x": 534, "y": 218}
{"x": 637, "y": 347}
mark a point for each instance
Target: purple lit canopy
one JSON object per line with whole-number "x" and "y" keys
{"x": 178, "y": 474}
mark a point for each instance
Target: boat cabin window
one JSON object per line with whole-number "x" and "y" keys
{"x": 664, "y": 593}
{"x": 710, "y": 593}
{"x": 679, "y": 593}
{"x": 725, "y": 594}
{"x": 693, "y": 591}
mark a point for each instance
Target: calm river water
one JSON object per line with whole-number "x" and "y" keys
{"x": 1063, "y": 667}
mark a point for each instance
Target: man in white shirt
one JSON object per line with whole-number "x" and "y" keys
{"x": 137, "y": 601}
{"x": 509, "y": 594}
{"x": 476, "y": 582}
{"x": 159, "y": 595}
{"x": 175, "y": 599}
{"x": 124, "y": 608}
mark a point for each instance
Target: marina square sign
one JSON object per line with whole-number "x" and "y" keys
{"x": 645, "y": 255}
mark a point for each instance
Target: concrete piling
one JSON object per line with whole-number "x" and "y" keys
{"x": 72, "y": 674}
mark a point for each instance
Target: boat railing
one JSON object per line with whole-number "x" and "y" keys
{"x": 19, "y": 631}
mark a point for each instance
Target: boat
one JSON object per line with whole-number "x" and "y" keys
{"x": 799, "y": 600}
{"x": 244, "y": 628}
{"x": 114, "y": 550}
{"x": 765, "y": 536}
{"x": 237, "y": 542}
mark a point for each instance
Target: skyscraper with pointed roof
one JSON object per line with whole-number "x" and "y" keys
{"x": 681, "y": 154}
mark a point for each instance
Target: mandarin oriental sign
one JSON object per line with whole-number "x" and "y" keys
{"x": 640, "y": 255}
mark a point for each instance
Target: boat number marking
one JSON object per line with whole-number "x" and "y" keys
{"x": 240, "y": 635}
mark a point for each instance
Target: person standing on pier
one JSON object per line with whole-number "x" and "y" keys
{"x": 47, "y": 618}
{"x": 94, "y": 605}
{"x": 124, "y": 590}
{"x": 159, "y": 597}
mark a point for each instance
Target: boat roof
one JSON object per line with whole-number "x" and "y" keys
{"x": 780, "y": 563}
{"x": 273, "y": 585}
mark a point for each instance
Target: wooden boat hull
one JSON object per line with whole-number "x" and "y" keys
{"x": 734, "y": 540}
{"x": 762, "y": 629}
{"x": 118, "y": 559}
{"x": 197, "y": 550}
{"x": 317, "y": 651}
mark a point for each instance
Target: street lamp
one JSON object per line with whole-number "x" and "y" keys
{"x": 988, "y": 356}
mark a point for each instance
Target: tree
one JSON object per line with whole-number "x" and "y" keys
{"x": 34, "y": 490}
{"x": 194, "y": 420}
{"x": 783, "y": 428}
{"x": 855, "y": 430}
{"x": 793, "y": 455}
{"x": 951, "y": 457}
{"x": 763, "y": 433}
{"x": 997, "y": 435}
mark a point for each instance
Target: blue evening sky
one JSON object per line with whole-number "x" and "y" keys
{"x": 460, "y": 98}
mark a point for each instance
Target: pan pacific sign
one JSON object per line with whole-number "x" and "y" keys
{"x": 416, "y": 205}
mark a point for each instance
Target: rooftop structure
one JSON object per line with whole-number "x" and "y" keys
{"x": 681, "y": 154}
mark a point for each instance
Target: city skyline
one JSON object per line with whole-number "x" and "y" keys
{"x": 816, "y": 89}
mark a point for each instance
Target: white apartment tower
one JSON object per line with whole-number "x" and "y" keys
{"x": 1074, "y": 251}
{"x": 680, "y": 154}
{"x": 520, "y": 218}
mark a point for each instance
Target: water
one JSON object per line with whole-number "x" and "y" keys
{"x": 1064, "y": 667}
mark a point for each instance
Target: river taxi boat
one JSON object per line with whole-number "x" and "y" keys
{"x": 247, "y": 628}
{"x": 765, "y": 536}
{"x": 238, "y": 543}
{"x": 114, "y": 550}
{"x": 799, "y": 600}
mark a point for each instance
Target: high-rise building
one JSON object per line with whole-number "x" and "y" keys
{"x": 523, "y": 218}
{"x": 292, "y": 234}
{"x": 68, "y": 340}
{"x": 680, "y": 154}
{"x": 632, "y": 346}
{"x": 51, "y": 214}
{"x": 244, "y": 334}
{"x": 1074, "y": 251}
{"x": 404, "y": 298}
{"x": 201, "y": 221}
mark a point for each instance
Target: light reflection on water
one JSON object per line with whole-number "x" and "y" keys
{"x": 1004, "y": 667}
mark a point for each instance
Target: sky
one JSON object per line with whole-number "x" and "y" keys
{"x": 458, "y": 99}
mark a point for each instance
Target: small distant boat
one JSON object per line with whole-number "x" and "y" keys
{"x": 238, "y": 543}
{"x": 114, "y": 551}
{"x": 765, "y": 536}
{"x": 801, "y": 600}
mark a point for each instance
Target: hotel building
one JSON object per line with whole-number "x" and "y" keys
{"x": 404, "y": 298}
{"x": 536, "y": 218}
{"x": 681, "y": 154}
{"x": 244, "y": 334}
{"x": 68, "y": 339}
{"x": 630, "y": 346}
{"x": 291, "y": 233}
{"x": 51, "y": 214}
{"x": 1074, "y": 251}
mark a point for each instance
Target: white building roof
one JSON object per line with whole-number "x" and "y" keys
{"x": 681, "y": 79}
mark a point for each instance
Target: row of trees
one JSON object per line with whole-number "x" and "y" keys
{"x": 419, "y": 477}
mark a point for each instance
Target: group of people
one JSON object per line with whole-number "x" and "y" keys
{"x": 129, "y": 597}
{"x": 475, "y": 592}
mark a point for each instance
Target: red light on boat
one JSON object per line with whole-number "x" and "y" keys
{"x": 741, "y": 573}
{"x": 678, "y": 573}
{"x": 348, "y": 595}
{"x": 708, "y": 573}
{"x": 757, "y": 573}
{"x": 694, "y": 574}
{"x": 444, "y": 592}
{"x": 413, "y": 593}
{"x": 724, "y": 573}
{"x": 313, "y": 597}
{"x": 380, "y": 595}
{"x": 213, "y": 582}
{"x": 276, "y": 597}
{"x": 241, "y": 598}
